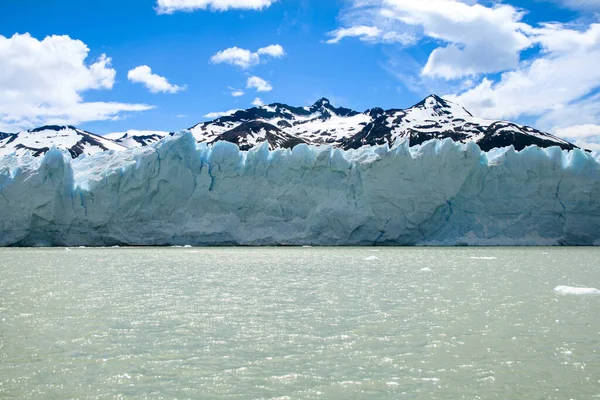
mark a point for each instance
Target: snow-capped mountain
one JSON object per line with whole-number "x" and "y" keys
{"x": 322, "y": 123}
{"x": 134, "y": 138}
{"x": 38, "y": 141}
{"x": 283, "y": 126}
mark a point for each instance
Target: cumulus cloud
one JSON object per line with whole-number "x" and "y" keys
{"x": 273, "y": 50}
{"x": 244, "y": 58}
{"x": 171, "y": 6}
{"x": 254, "y": 82}
{"x": 154, "y": 83}
{"x": 586, "y": 136}
{"x": 43, "y": 81}
{"x": 565, "y": 72}
{"x": 236, "y": 92}
{"x": 213, "y": 115}
{"x": 476, "y": 39}
{"x": 258, "y": 102}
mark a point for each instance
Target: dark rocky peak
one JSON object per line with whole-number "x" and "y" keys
{"x": 375, "y": 112}
{"x": 432, "y": 101}
{"x": 261, "y": 131}
{"x": 52, "y": 128}
{"x": 439, "y": 106}
{"x": 326, "y": 108}
{"x": 504, "y": 134}
{"x": 322, "y": 102}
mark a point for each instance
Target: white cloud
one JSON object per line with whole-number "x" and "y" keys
{"x": 369, "y": 34}
{"x": 154, "y": 83}
{"x": 585, "y": 136}
{"x": 213, "y": 115}
{"x": 171, "y": 6}
{"x": 254, "y": 82}
{"x": 237, "y": 92}
{"x": 245, "y": 58}
{"x": 42, "y": 82}
{"x": 274, "y": 50}
{"x": 565, "y": 72}
{"x": 258, "y": 102}
{"x": 235, "y": 56}
{"x": 476, "y": 39}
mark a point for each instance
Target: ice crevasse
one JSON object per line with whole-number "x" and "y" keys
{"x": 176, "y": 192}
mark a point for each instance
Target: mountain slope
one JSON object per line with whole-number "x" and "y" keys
{"x": 135, "y": 138}
{"x": 322, "y": 123}
{"x": 38, "y": 141}
{"x": 249, "y": 134}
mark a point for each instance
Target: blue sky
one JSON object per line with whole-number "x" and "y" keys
{"x": 529, "y": 61}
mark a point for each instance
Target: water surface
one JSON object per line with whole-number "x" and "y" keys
{"x": 299, "y": 323}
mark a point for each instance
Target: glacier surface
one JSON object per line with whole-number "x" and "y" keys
{"x": 176, "y": 192}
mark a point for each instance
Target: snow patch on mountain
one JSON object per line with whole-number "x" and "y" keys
{"x": 38, "y": 141}
{"x": 135, "y": 138}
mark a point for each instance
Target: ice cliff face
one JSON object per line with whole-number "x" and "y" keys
{"x": 175, "y": 193}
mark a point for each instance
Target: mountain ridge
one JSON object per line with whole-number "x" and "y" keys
{"x": 285, "y": 126}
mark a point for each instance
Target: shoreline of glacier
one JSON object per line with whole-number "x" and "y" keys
{"x": 177, "y": 193}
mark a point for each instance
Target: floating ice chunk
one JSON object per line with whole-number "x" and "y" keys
{"x": 579, "y": 291}
{"x": 371, "y": 258}
{"x": 483, "y": 258}
{"x": 187, "y": 246}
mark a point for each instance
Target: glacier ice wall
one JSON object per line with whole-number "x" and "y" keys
{"x": 175, "y": 193}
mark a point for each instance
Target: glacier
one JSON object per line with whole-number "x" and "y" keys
{"x": 176, "y": 192}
